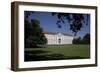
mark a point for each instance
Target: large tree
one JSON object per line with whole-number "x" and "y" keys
{"x": 33, "y": 33}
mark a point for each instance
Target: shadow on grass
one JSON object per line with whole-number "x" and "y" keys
{"x": 39, "y": 46}
{"x": 35, "y": 52}
{"x": 40, "y": 55}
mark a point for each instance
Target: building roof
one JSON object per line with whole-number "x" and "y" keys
{"x": 54, "y": 33}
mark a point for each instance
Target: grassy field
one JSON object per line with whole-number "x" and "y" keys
{"x": 57, "y": 52}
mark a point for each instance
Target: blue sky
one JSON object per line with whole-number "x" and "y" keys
{"x": 48, "y": 23}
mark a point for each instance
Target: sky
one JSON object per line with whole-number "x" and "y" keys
{"x": 48, "y": 23}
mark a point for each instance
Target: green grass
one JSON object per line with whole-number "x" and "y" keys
{"x": 70, "y": 51}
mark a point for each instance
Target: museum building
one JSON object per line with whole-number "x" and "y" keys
{"x": 55, "y": 38}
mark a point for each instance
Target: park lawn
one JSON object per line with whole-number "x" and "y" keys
{"x": 71, "y": 51}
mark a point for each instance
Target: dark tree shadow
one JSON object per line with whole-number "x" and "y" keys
{"x": 40, "y": 55}
{"x": 36, "y": 52}
{"x": 37, "y": 46}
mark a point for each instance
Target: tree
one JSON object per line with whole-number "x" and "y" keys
{"x": 86, "y": 39}
{"x": 77, "y": 40}
{"x": 33, "y": 34}
{"x": 76, "y": 21}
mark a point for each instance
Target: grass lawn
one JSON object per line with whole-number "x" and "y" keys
{"x": 57, "y": 52}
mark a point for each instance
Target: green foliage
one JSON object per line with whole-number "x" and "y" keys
{"x": 76, "y": 21}
{"x": 77, "y": 40}
{"x": 84, "y": 40}
{"x": 33, "y": 34}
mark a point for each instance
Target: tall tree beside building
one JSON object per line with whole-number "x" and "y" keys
{"x": 33, "y": 34}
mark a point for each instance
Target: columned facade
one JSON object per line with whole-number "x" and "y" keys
{"x": 58, "y": 38}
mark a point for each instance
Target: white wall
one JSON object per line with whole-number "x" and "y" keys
{"x": 5, "y": 41}
{"x": 53, "y": 39}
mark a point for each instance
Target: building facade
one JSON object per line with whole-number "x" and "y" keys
{"x": 58, "y": 38}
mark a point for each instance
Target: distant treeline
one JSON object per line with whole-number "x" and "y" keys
{"x": 84, "y": 40}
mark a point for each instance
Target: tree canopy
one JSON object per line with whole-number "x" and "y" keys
{"x": 33, "y": 34}
{"x": 76, "y": 21}
{"x": 82, "y": 40}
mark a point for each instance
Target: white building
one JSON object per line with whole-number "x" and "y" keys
{"x": 58, "y": 38}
